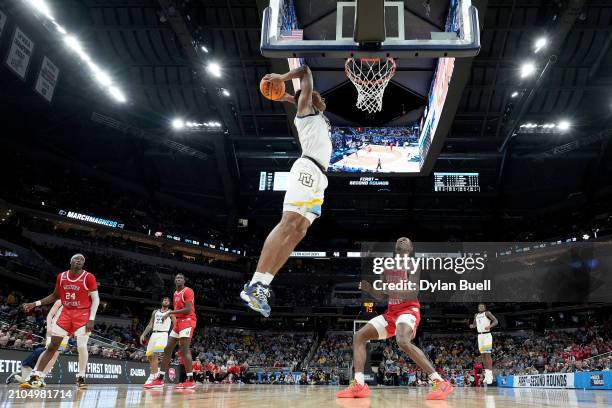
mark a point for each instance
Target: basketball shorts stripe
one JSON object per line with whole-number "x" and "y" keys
{"x": 485, "y": 343}
{"x": 157, "y": 343}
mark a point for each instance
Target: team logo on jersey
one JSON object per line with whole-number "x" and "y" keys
{"x": 306, "y": 179}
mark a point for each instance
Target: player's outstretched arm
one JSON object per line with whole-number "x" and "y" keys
{"x": 472, "y": 323}
{"x": 188, "y": 307}
{"x": 147, "y": 329}
{"x": 44, "y": 301}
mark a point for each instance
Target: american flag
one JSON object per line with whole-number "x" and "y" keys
{"x": 292, "y": 34}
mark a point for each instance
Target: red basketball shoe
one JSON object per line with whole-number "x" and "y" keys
{"x": 187, "y": 385}
{"x": 156, "y": 383}
{"x": 441, "y": 390}
{"x": 355, "y": 390}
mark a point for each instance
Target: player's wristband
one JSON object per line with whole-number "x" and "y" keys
{"x": 38, "y": 303}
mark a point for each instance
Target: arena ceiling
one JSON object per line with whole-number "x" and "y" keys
{"x": 154, "y": 49}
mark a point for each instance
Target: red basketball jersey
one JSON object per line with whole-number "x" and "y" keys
{"x": 180, "y": 298}
{"x": 74, "y": 292}
{"x": 398, "y": 276}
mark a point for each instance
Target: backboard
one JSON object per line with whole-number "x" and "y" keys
{"x": 408, "y": 31}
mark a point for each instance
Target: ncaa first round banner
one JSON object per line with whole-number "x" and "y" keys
{"x": 99, "y": 370}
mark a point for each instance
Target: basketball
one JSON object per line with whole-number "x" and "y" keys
{"x": 271, "y": 90}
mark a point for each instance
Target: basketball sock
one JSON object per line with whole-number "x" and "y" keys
{"x": 435, "y": 377}
{"x": 360, "y": 378}
{"x": 189, "y": 376}
{"x": 83, "y": 355}
{"x": 25, "y": 373}
{"x": 262, "y": 277}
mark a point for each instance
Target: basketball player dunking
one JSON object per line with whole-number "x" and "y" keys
{"x": 306, "y": 185}
{"x": 160, "y": 326}
{"x": 182, "y": 332}
{"x": 484, "y": 321}
{"x": 77, "y": 289}
{"x": 400, "y": 320}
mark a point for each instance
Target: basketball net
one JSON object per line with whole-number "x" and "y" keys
{"x": 370, "y": 76}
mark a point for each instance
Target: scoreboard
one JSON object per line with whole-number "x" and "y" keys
{"x": 456, "y": 182}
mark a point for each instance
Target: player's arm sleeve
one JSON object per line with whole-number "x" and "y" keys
{"x": 95, "y": 302}
{"x": 52, "y": 312}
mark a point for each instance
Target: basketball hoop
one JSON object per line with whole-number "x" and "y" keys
{"x": 370, "y": 76}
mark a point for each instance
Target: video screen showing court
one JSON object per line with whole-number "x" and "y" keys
{"x": 375, "y": 149}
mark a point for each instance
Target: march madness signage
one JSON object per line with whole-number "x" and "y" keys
{"x": 555, "y": 380}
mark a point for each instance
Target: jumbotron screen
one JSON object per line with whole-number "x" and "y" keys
{"x": 375, "y": 149}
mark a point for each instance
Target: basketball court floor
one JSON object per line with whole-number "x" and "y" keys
{"x": 394, "y": 159}
{"x": 273, "y": 396}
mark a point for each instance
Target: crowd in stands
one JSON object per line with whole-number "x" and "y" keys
{"x": 554, "y": 350}
{"x": 103, "y": 239}
{"x": 457, "y": 357}
{"x": 21, "y": 331}
{"x": 269, "y": 349}
{"x": 139, "y": 279}
{"x": 222, "y": 349}
{"x": 220, "y": 346}
{"x": 335, "y": 350}
{"x": 37, "y": 185}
